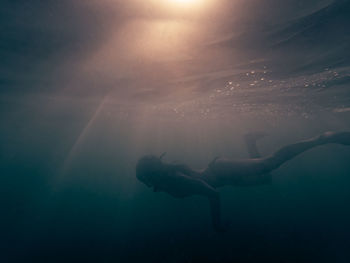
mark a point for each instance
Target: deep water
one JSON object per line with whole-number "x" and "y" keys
{"x": 96, "y": 211}
{"x": 68, "y": 191}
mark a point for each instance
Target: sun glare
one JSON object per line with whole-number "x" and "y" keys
{"x": 185, "y": 3}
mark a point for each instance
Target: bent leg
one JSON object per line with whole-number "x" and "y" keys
{"x": 290, "y": 151}
{"x": 250, "y": 140}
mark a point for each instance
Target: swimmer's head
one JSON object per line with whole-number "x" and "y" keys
{"x": 149, "y": 169}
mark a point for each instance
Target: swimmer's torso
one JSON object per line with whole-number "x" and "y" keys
{"x": 242, "y": 172}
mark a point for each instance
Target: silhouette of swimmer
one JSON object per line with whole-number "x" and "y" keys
{"x": 181, "y": 181}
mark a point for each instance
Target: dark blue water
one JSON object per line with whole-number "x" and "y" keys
{"x": 70, "y": 137}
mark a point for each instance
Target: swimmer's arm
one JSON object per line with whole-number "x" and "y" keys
{"x": 198, "y": 187}
{"x": 185, "y": 169}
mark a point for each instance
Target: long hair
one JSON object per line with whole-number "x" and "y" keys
{"x": 150, "y": 169}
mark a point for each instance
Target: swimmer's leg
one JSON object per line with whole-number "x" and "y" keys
{"x": 290, "y": 151}
{"x": 250, "y": 140}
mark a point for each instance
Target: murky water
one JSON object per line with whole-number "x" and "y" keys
{"x": 68, "y": 186}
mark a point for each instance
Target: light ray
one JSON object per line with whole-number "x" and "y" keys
{"x": 83, "y": 134}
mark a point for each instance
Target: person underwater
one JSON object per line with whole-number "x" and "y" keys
{"x": 180, "y": 181}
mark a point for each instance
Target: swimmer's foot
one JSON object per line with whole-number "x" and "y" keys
{"x": 336, "y": 137}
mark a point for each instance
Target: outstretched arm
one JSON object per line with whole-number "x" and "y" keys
{"x": 199, "y": 187}
{"x": 184, "y": 169}
{"x": 215, "y": 209}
